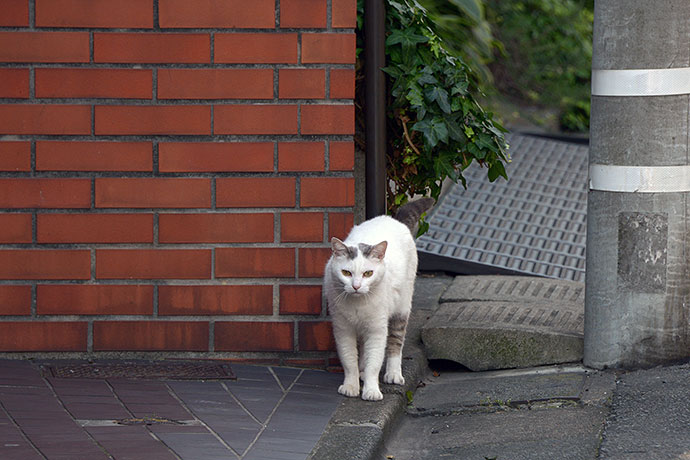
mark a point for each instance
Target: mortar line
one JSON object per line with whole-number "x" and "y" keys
{"x": 124, "y": 406}
{"x": 270, "y": 416}
{"x": 62, "y": 404}
{"x": 213, "y": 433}
{"x": 19, "y": 429}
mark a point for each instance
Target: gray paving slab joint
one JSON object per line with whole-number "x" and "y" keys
{"x": 266, "y": 413}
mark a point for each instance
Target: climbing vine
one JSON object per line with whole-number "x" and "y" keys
{"x": 436, "y": 127}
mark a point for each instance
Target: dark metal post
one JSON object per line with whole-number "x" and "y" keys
{"x": 375, "y": 106}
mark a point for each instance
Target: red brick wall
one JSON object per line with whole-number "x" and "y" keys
{"x": 171, "y": 172}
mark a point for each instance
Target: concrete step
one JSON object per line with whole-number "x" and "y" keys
{"x": 502, "y": 322}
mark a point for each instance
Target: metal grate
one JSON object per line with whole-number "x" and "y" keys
{"x": 143, "y": 370}
{"x": 535, "y": 223}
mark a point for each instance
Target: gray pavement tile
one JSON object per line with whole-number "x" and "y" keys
{"x": 286, "y": 375}
{"x": 261, "y": 454}
{"x": 274, "y": 441}
{"x": 196, "y": 446}
{"x": 129, "y": 449}
{"x": 96, "y": 411}
{"x": 321, "y": 379}
{"x": 79, "y": 387}
{"x": 169, "y": 411}
{"x": 248, "y": 372}
{"x": 19, "y": 453}
{"x": 166, "y": 428}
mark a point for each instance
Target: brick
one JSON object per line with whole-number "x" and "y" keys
{"x": 342, "y": 84}
{"x": 94, "y": 300}
{"x": 153, "y": 193}
{"x": 94, "y": 83}
{"x": 215, "y": 83}
{"x": 312, "y": 261}
{"x": 44, "y": 47}
{"x": 94, "y": 156}
{"x": 253, "y": 336}
{"x": 15, "y": 228}
{"x": 328, "y": 119}
{"x": 215, "y": 157}
{"x": 15, "y": 156}
{"x": 43, "y": 336}
{"x": 257, "y": 14}
{"x": 15, "y": 300}
{"x": 301, "y": 227}
{"x": 328, "y": 48}
{"x": 153, "y": 264}
{"x": 316, "y": 336}
{"x": 152, "y": 48}
{"x": 327, "y": 191}
{"x": 142, "y": 119}
{"x": 301, "y": 156}
{"x": 303, "y": 13}
{"x": 255, "y": 192}
{"x": 215, "y": 300}
{"x": 94, "y": 228}
{"x": 37, "y": 264}
{"x": 301, "y": 83}
{"x": 15, "y": 82}
{"x": 255, "y": 262}
{"x": 255, "y": 119}
{"x": 341, "y": 156}
{"x": 45, "y": 193}
{"x": 216, "y": 228}
{"x": 150, "y": 336}
{"x": 344, "y": 14}
{"x": 300, "y": 300}
{"x": 45, "y": 119}
{"x": 255, "y": 48}
{"x": 340, "y": 224}
{"x": 123, "y": 14}
{"x": 15, "y": 13}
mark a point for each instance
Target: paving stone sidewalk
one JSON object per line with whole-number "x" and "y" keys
{"x": 267, "y": 413}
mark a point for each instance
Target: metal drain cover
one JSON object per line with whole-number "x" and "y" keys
{"x": 532, "y": 224}
{"x": 142, "y": 370}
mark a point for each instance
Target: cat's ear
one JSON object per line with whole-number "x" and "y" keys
{"x": 378, "y": 251}
{"x": 339, "y": 248}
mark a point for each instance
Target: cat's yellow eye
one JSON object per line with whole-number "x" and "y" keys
{"x": 346, "y": 273}
{"x": 368, "y": 273}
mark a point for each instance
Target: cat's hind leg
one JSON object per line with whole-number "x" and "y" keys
{"x": 346, "y": 344}
{"x": 397, "y": 325}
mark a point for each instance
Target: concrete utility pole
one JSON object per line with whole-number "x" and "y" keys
{"x": 638, "y": 245}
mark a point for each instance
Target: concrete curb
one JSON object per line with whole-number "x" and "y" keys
{"x": 358, "y": 429}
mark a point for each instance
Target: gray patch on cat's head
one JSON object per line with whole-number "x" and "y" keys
{"x": 376, "y": 251}
{"x": 341, "y": 249}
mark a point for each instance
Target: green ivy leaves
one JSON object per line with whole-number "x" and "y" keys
{"x": 439, "y": 127}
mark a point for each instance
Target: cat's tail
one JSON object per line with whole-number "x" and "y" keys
{"x": 410, "y": 213}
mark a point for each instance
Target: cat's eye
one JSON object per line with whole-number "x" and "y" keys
{"x": 346, "y": 273}
{"x": 368, "y": 273}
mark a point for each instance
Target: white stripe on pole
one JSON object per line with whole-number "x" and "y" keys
{"x": 641, "y": 82}
{"x": 639, "y": 179}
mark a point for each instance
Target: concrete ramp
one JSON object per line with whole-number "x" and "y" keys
{"x": 500, "y": 322}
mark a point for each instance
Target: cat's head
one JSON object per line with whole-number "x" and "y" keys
{"x": 358, "y": 268}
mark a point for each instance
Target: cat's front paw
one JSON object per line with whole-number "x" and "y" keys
{"x": 394, "y": 378}
{"x": 351, "y": 391}
{"x": 372, "y": 394}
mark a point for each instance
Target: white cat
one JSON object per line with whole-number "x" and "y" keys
{"x": 368, "y": 282}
